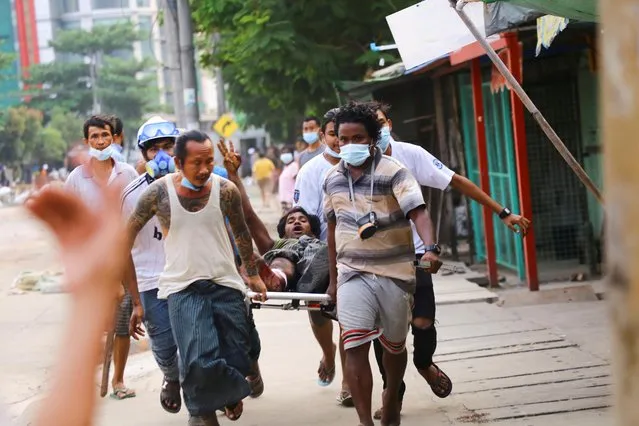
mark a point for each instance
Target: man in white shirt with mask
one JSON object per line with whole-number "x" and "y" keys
{"x": 88, "y": 181}
{"x": 311, "y": 136}
{"x": 430, "y": 172}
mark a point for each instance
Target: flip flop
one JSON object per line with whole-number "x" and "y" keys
{"x": 231, "y": 411}
{"x": 328, "y": 373}
{"x": 122, "y": 393}
{"x": 442, "y": 386}
{"x": 170, "y": 394}
{"x": 345, "y": 399}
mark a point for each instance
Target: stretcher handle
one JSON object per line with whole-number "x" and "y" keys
{"x": 453, "y": 268}
{"x": 306, "y": 297}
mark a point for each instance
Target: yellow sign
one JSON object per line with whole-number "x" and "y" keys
{"x": 225, "y": 126}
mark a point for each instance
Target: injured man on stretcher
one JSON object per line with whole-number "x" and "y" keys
{"x": 298, "y": 260}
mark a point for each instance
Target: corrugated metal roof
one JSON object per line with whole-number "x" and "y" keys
{"x": 580, "y": 10}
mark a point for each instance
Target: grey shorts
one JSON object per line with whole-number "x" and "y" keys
{"x": 370, "y": 307}
{"x": 124, "y": 316}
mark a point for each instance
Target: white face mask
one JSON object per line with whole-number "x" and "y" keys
{"x": 286, "y": 158}
{"x": 332, "y": 153}
{"x": 102, "y": 155}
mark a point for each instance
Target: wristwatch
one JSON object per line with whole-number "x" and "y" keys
{"x": 505, "y": 213}
{"x": 433, "y": 248}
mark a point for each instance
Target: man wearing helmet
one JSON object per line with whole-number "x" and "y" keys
{"x": 156, "y": 139}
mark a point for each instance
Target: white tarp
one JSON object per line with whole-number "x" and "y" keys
{"x": 431, "y": 29}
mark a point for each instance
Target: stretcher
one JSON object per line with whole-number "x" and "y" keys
{"x": 293, "y": 301}
{"x": 456, "y": 269}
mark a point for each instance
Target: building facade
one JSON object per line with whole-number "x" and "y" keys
{"x": 28, "y": 26}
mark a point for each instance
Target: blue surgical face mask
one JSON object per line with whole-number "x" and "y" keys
{"x": 332, "y": 153}
{"x": 286, "y": 158}
{"x": 355, "y": 154}
{"x": 161, "y": 165}
{"x": 310, "y": 137}
{"x": 385, "y": 139}
{"x": 102, "y": 155}
{"x": 187, "y": 184}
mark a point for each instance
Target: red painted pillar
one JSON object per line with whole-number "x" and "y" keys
{"x": 482, "y": 164}
{"x": 23, "y": 45}
{"x": 521, "y": 159}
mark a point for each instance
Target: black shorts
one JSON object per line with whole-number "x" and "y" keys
{"x": 424, "y": 305}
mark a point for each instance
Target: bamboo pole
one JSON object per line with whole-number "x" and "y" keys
{"x": 525, "y": 99}
{"x": 620, "y": 99}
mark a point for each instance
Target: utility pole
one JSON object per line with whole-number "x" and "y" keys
{"x": 619, "y": 58}
{"x": 173, "y": 59}
{"x": 219, "y": 82}
{"x": 187, "y": 63}
{"x": 93, "y": 76}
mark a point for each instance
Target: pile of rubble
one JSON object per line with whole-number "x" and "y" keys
{"x": 44, "y": 282}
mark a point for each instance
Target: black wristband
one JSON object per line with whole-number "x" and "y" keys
{"x": 505, "y": 213}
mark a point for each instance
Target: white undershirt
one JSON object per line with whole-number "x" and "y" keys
{"x": 309, "y": 193}
{"x": 427, "y": 170}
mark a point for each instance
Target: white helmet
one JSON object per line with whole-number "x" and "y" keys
{"x": 156, "y": 127}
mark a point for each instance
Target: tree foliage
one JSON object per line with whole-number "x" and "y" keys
{"x": 6, "y": 60}
{"x": 123, "y": 88}
{"x": 24, "y": 139}
{"x": 280, "y": 58}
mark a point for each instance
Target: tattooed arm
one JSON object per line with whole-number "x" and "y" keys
{"x": 258, "y": 230}
{"x": 149, "y": 204}
{"x": 231, "y": 206}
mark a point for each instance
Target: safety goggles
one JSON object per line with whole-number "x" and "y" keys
{"x": 158, "y": 130}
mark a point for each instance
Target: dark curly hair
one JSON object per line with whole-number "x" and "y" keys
{"x": 383, "y": 107}
{"x": 316, "y": 227}
{"x": 363, "y": 113}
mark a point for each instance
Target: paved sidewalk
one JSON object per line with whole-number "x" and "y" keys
{"x": 521, "y": 366}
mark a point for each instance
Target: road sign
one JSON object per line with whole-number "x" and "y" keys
{"x": 225, "y": 126}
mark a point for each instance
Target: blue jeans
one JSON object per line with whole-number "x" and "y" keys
{"x": 158, "y": 327}
{"x": 211, "y": 328}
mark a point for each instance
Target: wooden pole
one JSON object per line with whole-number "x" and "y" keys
{"x": 482, "y": 166}
{"x": 619, "y": 43}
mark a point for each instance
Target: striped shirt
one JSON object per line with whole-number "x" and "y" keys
{"x": 148, "y": 248}
{"x": 390, "y": 252}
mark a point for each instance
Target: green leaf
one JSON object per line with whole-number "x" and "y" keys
{"x": 280, "y": 58}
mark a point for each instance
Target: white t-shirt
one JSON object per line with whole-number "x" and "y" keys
{"x": 82, "y": 182}
{"x": 308, "y": 192}
{"x": 148, "y": 248}
{"x": 427, "y": 170}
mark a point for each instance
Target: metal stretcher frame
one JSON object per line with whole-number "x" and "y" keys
{"x": 317, "y": 301}
{"x": 297, "y": 301}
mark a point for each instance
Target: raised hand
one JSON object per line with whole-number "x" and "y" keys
{"x": 232, "y": 158}
{"x": 93, "y": 244}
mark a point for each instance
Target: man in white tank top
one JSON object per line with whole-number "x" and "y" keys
{"x": 205, "y": 293}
